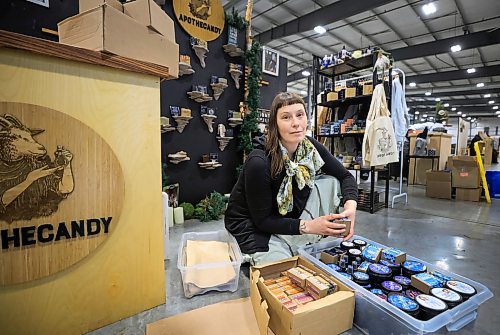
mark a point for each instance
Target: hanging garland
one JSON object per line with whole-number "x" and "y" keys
{"x": 234, "y": 19}
{"x": 249, "y": 126}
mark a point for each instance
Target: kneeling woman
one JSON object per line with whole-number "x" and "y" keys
{"x": 280, "y": 201}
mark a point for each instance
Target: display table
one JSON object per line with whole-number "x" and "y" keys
{"x": 103, "y": 113}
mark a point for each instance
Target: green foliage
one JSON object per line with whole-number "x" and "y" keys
{"x": 234, "y": 19}
{"x": 210, "y": 208}
{"x": 164, "y": 177}
{"x": 249, "y": 126}
{"x": 188, "y": 210}
{"x": 441, "y": 114}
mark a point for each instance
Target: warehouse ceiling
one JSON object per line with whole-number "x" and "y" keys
{"x": 420, "y": 43}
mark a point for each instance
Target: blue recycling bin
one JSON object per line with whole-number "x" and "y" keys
{"x": 493, "y": 180}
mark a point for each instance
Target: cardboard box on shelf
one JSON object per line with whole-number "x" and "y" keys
{"x": 367, "y": 89}
{"x": 86, "y": 5}
{"x": 148, "y": 13}
{"x": 105, "y": 28}
{"x": 350, "y": 92}
{"x": 438, "y": 184}
{"x": 313, "y": 318}
{"x": 332, "y": 96}
{"x": 465, "y": 172}
{"x": 468, "y": 194}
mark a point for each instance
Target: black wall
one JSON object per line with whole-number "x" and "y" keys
{"x": 196, "y": 140}
{"x": 27, "y": 18}
{"x": 276, "y": 85}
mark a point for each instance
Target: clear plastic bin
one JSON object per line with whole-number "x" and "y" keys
{"x": 191, "y": 274}
{"x": 376, "y": 316}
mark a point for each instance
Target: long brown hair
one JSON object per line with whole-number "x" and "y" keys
{"x": 272, "y": 141}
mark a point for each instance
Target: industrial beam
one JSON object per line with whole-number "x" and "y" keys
{"x": 453, "y": 93}
{"x": 467, "y": 109}
{"x": 334, "y": 12}
{"x": 297, "y": 75}
{"x": 469, "y": 41}
{"x": 453, "y": 102}
{"x": 485, "y": 71}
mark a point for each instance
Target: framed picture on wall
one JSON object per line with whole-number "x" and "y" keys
{"x": 44, "y": 3}
{"x": 270, "y": 61}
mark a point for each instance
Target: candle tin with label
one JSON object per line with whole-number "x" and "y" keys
{"x": 378, "y": 292}
{"x": 403, "y": 281}
{"x": 346, "y": 245}
{"x": 430, "y": 306}
{"x": 360, "y": 244}
{"x": 348, "y": 276}
{"x": 379, "y": 273}
{"x": 411, "y": 268}
{"x": 412, "y": 293}
{"x": 334, "y": 267}
{"x": 464, "y": 289}
{"x": 404, "y": 303}
{"x": 353, "y": 254}
{"x": 395, "y": 268}
{"x": 450, "y": 297}
{"x": 391, "y": 287}
{"x": 361, "y": 278}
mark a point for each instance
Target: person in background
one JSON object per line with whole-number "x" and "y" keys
{"x": 281, "y": 200}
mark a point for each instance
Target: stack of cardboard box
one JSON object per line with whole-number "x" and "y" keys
{"x": 138, "y": 29}
{"x": 465, "y": 177}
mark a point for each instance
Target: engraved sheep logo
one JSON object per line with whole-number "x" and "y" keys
{"x": 31, "y": 185}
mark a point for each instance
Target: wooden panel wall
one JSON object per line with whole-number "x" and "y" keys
{"x": 125, "y": 275}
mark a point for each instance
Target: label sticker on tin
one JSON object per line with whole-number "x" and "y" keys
{"x": 361, "y": 242}
{"x": 355, "y": 252}
{"x": 430, "y": 302}
{"x": 402, "y": 302}
{"x": 376, "y": 291}
{"x": 348, "y": 276}
{"x": 334, "y": 267}
{"x": 412, "y": 293}
{"x": 360, "y": 276}
{"x": 445, "y": 294}
{"x": 379, "y": 269}
{"x": 348, "y": 244}
{"x": 414, "y": 266}
{"x": 391, "y": 286}
{"x": 402, "y": 280}
{"x": 461, "y": 287}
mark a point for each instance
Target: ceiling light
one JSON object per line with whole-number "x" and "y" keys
{"x": 456, "y": 48}
{"x": 429, "y": 8}
{"x": 491, "y": 102}
{"x": 464, "y": 115}
{"x": 438, "y": 99}
{"x": 453, "y": 109}
{"x": 497, "y": 112}
{"x": 471, "y": 70}
{"x": 458, "y": 113}
{"x": 413, "y": 84}
{"x": 417, "y": 112}
{"x": 487, "y": 95}
{"x": 495, "y": 107}
{"x": 303, "y": 93}
{"x": 480, "y": 84}
{"x": 498, "y": 115}
{"x": 428, "y": 93}
{"x": 320, "y": 29}
{"x": 446, "y": 105}
{"x": 425, "y": 115}
{"x": 306, "y": 73}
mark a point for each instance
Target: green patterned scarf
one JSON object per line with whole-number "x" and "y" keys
{"x": 307, "y": 161}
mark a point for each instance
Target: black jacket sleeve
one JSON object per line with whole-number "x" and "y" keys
{"x": 335, "y": 169}
{"x": 259, "y": 197}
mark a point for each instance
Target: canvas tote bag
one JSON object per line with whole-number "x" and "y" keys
{"x": 379, "y": 143}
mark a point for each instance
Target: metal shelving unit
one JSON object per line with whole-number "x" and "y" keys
{"x": 366, "y": 62}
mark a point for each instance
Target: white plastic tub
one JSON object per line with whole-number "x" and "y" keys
{"x": 207, "y": 270}
{"x": 376, "y": 316}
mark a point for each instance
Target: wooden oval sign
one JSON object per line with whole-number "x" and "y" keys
{"x": 61, "y": 191}
{"x": 203, "y": 19}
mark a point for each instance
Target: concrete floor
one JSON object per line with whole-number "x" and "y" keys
{"x": 463, "y": 237}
